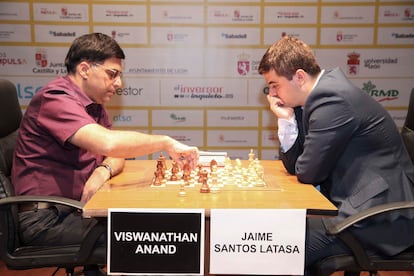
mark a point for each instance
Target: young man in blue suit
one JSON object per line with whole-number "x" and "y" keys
{"x": 345, "y": 142}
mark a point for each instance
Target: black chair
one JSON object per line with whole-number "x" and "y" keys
{"x": 13, "y": 252}
{"x": 353, "y": 264}
{"x": 407, "y": 131}
{"x": 359, "y": 260}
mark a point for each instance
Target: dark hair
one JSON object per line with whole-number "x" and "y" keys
{"x": 94, "y": 47}
{"x": 288, "y": 55}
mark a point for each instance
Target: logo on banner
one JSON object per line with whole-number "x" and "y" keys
{"x": 353, "y": 63}
{"x": 41, "y": 58}
{"x": 379, "y": 94}
{"x": 64, "y": 11}
{"x": 177, "y": 119}
{"x": 243, "y": 64}
{"x": 339, "y": 36}
{"x": 407, "y": 13}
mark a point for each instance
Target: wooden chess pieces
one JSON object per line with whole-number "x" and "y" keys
{"x": 204, "y": 186}
{"x": 214, "y": 179}
{"x": 174, "y": 171}
{"x": 186, "y": 173}
{"x": 158, "y": 177}
{"x": 251, "y": 155}
{"x": 199, "y": 171}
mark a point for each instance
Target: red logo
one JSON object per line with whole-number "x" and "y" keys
{"x": 243, "y": 64}
{"x": 339, "y": 36}
{"x": 64, "y": 11}
{"x": 353, "y": 63}
{"x": 41, "y": 58}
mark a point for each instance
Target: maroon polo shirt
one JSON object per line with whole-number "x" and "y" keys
{"x": 45, "y": 162}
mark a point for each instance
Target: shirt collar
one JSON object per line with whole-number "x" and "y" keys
{"x": 83, "y": 98}
{"x": 317, "y": 79}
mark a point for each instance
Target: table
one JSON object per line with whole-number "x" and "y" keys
{"x": 132, "y": 189}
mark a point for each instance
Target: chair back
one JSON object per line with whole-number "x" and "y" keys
{"x": 13, "y": 251}
{"x": 407, "y": 131}
{"x": 10, "y": 118}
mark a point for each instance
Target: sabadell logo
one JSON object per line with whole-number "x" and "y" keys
{"x": 379, "y": 94}
{"x": 177, "y": 118}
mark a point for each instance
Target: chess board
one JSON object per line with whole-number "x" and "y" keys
{"x": 231, "y": 174}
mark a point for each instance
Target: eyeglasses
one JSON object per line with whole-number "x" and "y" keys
{"x": 112, "y": 73}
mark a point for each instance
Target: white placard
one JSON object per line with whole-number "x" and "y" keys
{"x": 257, "y": 241}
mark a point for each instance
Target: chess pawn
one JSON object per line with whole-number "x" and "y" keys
{"x": 204, "y": 186}
{"x": 182, "y": 191}
{"x": 213, "y": 163}
{"x": 214, "y": 181}
{"x": 259, "y": 169}
{"x": 244, "y": 179}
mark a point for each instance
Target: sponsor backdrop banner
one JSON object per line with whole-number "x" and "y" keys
{"x": 191, "y": 66}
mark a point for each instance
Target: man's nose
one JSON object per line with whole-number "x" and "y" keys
{"x": 118, "y": 82}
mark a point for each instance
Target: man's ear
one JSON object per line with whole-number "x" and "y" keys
{"x": 300, "y": 76}
{"x": 83, "y": 69}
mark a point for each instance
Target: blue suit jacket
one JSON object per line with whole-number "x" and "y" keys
{"x": 353, "y": 150}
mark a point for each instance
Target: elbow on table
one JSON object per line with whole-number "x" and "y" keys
{"x": 308, "y": 177}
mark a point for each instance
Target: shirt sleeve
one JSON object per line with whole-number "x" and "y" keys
{"x": 61, "y": 115}
{"x": 287, "y": 132}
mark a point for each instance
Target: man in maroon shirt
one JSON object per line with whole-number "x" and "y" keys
{"x": 66, "y": 146}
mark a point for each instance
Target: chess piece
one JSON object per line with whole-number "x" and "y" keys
{"x": 204, "y": 186}
{"x": 260, "y": 174}
{"x": 174, "y": 171}
{"x": 251, "y": 155}
{"x": 158, "y": 177}
{"x": 214, "y": 180}
{"x": 182, "y": 191}
{"x": 213, "y": 163}
{"x": 199, "y": 172}
{"x": 162, "y": 159}
{"x": 186, "y": 173}
{"x": 160, "y": 168}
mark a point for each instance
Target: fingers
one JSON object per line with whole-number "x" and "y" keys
{"x": 189, "y": 156}
{"x": 274, "y": 101}
{"x": 278, "y": 108}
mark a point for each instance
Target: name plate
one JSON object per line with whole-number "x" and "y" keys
{"x": 155, "y": 241}
{"x": 257, "y": 241}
